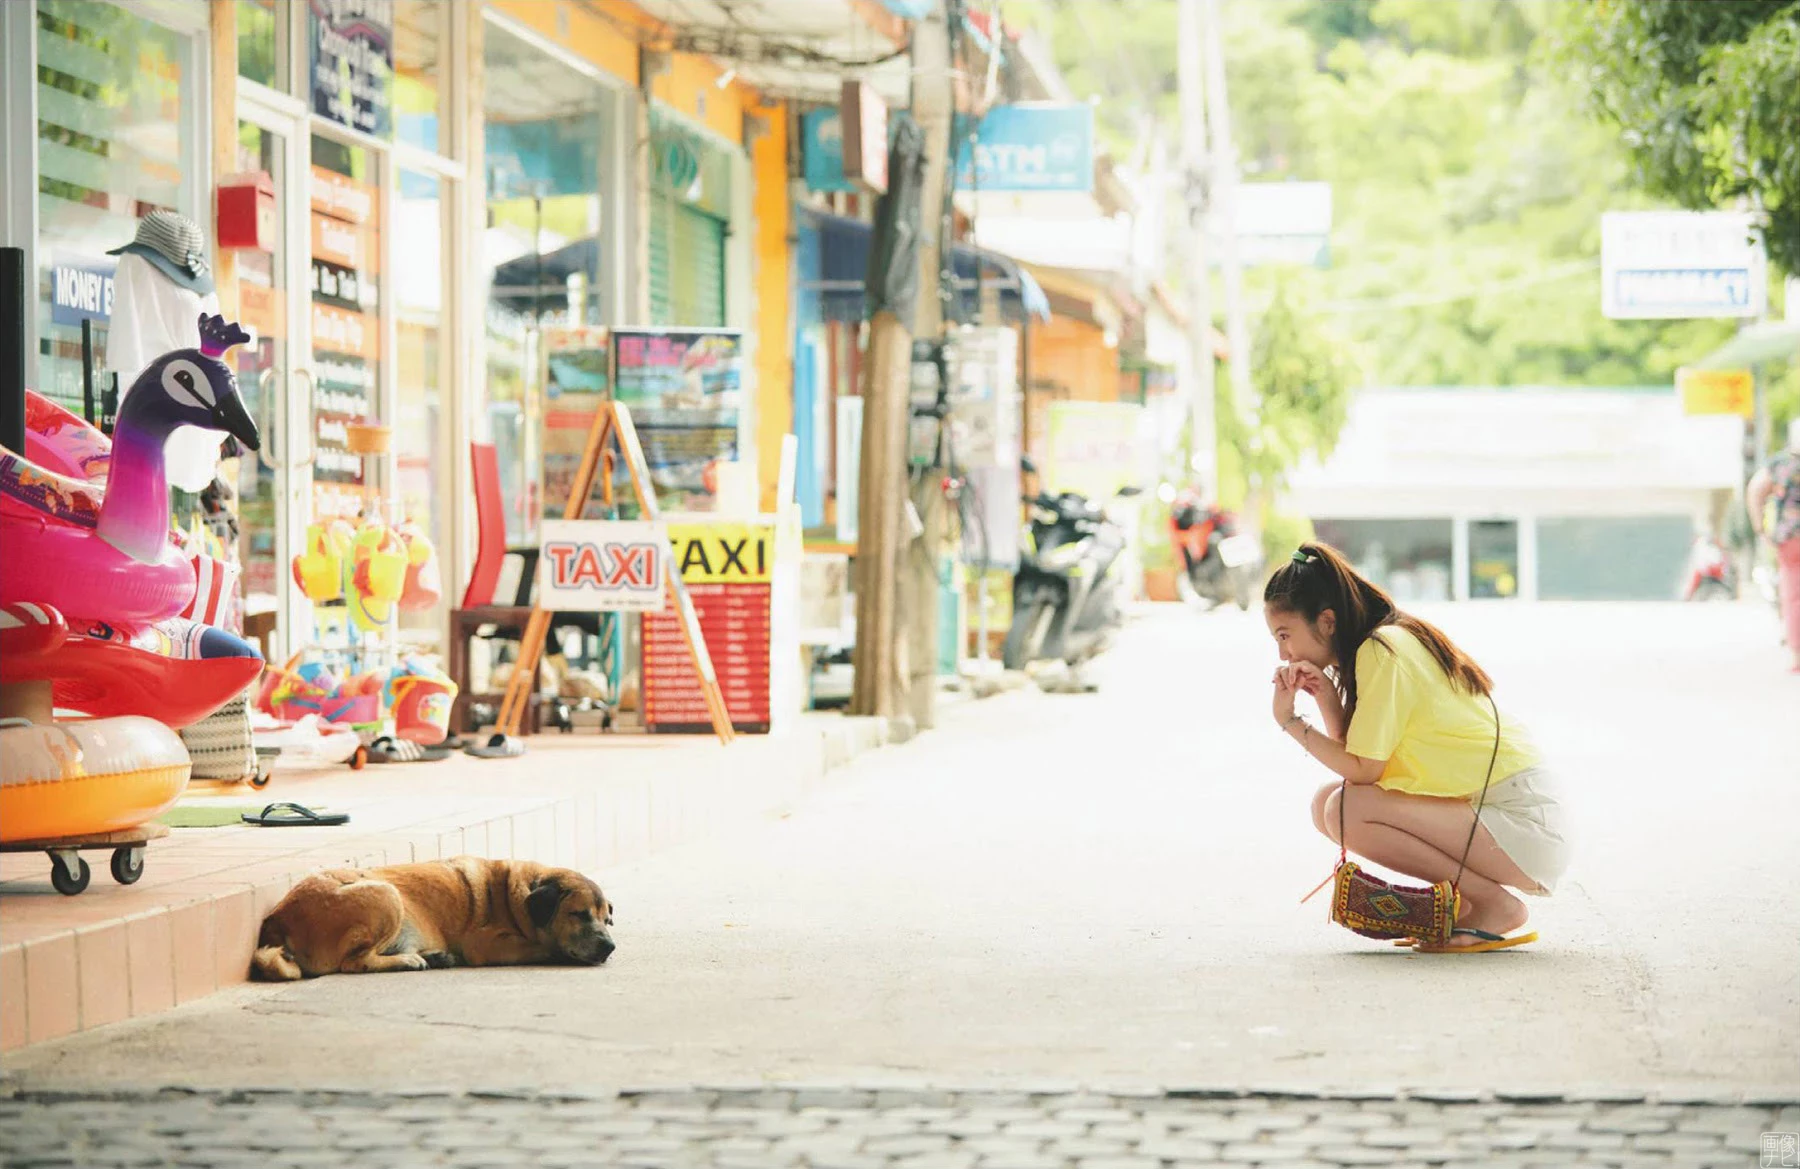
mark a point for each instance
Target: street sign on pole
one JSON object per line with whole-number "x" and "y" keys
{"x": 1681, "y": 265}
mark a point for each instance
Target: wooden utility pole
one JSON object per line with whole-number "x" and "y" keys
{"x": 1202, "y": 400}
{"x": 881, "y": 538}
{"x": 934, "y": 104}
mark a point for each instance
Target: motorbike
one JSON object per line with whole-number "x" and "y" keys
{"x": 1066, "y": 590}
{"x": 1711, "y": 576}
{"x": 1220, "y": 564}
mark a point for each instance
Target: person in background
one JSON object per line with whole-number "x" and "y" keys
{"x": 1779, "y": 480}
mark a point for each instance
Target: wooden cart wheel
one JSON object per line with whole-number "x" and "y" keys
{"x": 262, "y": 777}
{"x": 359, "y": 760}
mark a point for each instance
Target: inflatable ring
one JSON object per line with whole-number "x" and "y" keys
{"x": 84, "y": 778}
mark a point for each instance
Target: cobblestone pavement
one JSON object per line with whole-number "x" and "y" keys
{"x": 839, "y": 1129}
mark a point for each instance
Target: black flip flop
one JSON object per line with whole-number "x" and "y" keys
{"x": 289, "y": 815}
{"x": 388, "y": 749}
{"x": 497, "y": 746}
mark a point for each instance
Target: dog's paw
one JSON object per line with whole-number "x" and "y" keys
{"x": 440, "y": 959}
{"x": 413, "y": 962}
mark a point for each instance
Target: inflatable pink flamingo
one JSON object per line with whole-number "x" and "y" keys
{"x": 90, "y": 553}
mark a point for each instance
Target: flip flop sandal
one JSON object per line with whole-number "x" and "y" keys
{"x": 1487, "y": 943}
{"x": 496, "y": 747}
{"x": 388, "y": 749}
{"x": 289, "y": 815}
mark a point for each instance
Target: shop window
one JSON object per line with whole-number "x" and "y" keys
{"x": 346, "y": 328}
{"x": 1410, "y": 558}
{"x": 544, "y": 245}
{"x": 1612, "y": 558}
{"x": 421, "y": 44}
{"x": 115, "y": 103}
{"x": 262, "y": 36}
{"x": 422, "y": 473}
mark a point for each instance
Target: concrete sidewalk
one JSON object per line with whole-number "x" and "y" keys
{"x": 187, "y": 927}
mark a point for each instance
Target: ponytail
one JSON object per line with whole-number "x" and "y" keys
{"x": 1320, "y": 578}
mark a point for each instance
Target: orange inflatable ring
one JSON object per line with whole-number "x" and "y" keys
{"x": 83, "y": 778}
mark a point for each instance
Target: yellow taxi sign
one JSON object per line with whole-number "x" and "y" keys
{"x": 723, "y": 553}
{"x": 1716, "y": 391}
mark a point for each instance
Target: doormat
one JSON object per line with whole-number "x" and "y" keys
{"x": 206, "y": 815}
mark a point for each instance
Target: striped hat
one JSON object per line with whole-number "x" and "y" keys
{"x": 174, "y": 244}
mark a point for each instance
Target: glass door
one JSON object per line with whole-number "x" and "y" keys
{"x": 1493, "y": 559}
{"x": 274, "y": 375}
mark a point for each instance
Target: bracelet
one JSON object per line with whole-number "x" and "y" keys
{"x": 1292, "y": 719}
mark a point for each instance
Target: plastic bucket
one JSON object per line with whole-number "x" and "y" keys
{"x": 422, "y": 708}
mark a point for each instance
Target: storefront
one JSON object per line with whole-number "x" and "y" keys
{"x": 1521, "y": 494}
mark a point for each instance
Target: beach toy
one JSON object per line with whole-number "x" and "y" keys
{"x": 319, "y": 571}
{"x": 424, "y": 580}
{"x": 422, "y": 709}
{"x": 87, "y": 778}
{"x": 63, "y": 443}
{"x": 377, "y": 576}
{"x": 176, "y": 671}
{"x": 107, "y": 550}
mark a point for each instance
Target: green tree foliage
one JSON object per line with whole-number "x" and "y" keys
{"x": 1467, "y": 181}
{"x": 1304, "y": 376}
{"x": 1708, "y": 97}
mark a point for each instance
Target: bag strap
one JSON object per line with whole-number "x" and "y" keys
{"x": 1469, "y": 845}
{"x": 1475, "y": 824}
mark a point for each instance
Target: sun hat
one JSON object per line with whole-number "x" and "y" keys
{"x": 174, "y": 244}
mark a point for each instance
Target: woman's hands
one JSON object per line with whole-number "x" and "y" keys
{"x": 1286, "y": 690}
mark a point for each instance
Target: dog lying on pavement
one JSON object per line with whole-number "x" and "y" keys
{"x": 461, "y": 912}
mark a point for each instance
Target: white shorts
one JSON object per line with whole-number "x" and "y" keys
{"x": 1527, "y": 821}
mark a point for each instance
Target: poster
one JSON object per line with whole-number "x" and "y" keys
{"x": 576, "y": 378}
{"x": 685, "y": 391}
{"x": 729, "y": 572}
{"x": 351, "y": 60}
{"x": 1095, "y": 448}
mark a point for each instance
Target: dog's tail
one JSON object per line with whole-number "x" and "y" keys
{"x": 273, "y": 961}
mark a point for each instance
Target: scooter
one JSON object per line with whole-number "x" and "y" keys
{"x": 1711, "y": 575}
{"x": 1220, "y": 564}
{"x": 1066, "y": 589}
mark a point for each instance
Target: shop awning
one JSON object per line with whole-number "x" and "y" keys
{"x": 543, "y": 280}
{"x": 1755, "y": 344}
{"x": 840, "y": 274}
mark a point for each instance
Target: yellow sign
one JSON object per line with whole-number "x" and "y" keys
{"x": 1717, "y": 391}
{"x": 723, "y": 553}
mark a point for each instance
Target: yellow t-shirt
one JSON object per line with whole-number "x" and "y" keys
{"x": 1436, "y": 737}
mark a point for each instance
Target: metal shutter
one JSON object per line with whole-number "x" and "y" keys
{"x": 687, "y": 266}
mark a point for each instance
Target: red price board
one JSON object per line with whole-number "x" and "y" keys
{"x": 727, "y": 570}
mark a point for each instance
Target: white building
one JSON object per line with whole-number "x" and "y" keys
{"x": 1533, "y": 493}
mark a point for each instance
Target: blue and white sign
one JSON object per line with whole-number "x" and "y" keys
{"x": 81, "y": 289}
{"x": 1031, "y": 146}
{"x": 822, "y": 131}
{"x": 1681, "y": 265}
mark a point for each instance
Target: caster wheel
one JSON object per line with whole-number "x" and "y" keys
{"x": 69, "y": 879}
{"x": 359, "y": 760}
{"x": 128, "y": 864}
{"x": 261, "y": 779}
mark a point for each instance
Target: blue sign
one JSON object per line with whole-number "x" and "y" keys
{"x": 1032, "y": 146}
{"x": 81, "y": 289}
{"x": 822, "y": 131}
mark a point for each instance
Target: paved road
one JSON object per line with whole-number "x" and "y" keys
{"x": 1100, "y": 891}
{"x": 839, "y": 1129}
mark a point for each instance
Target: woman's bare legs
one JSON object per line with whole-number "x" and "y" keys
{"x": 1423, "y": 837}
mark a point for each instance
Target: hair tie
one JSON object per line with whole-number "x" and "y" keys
{"x": 1301, "y": 556}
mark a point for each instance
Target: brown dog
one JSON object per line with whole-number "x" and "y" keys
{"x": 461, "y": 912}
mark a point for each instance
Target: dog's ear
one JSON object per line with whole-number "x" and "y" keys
{"x": 542, "y": 901}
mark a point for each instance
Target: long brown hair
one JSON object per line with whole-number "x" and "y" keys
{"x": 1319, "y": 578}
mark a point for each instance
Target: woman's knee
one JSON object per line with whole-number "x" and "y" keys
{"x": 1325, "y": 810}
